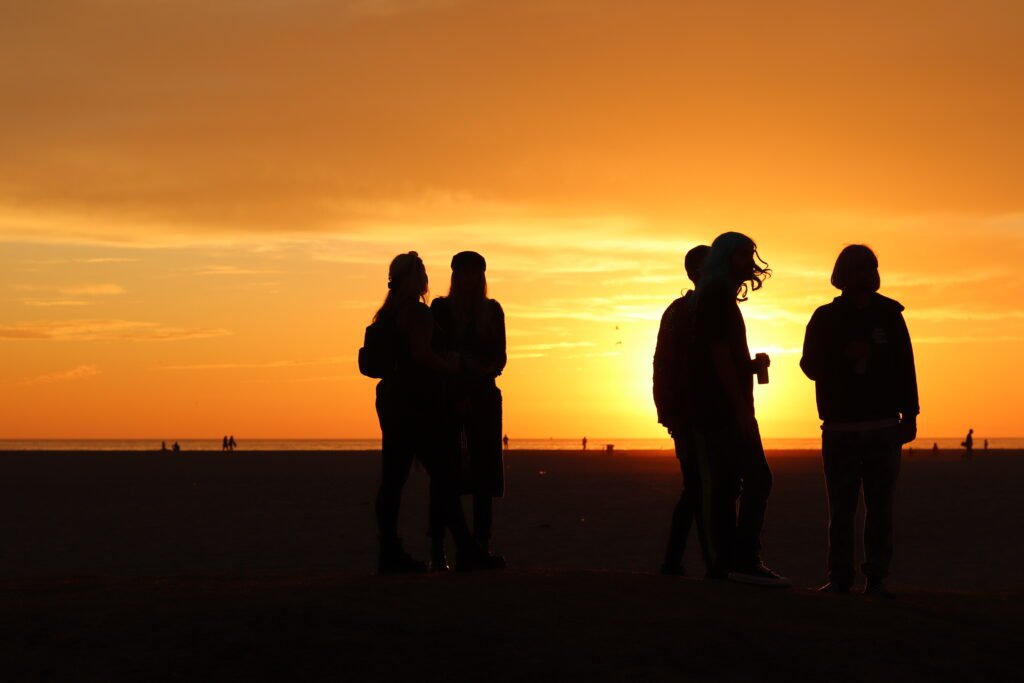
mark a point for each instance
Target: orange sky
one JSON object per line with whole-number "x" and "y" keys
{"x": 198, "y": 200}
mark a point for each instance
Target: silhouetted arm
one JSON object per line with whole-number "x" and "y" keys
{"x": 909, "y": 404}
{"x": 500, "y": 347}
{"x": 665, "y": 361}
{"x": 813, "y": 360}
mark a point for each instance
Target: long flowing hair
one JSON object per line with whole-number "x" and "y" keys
{"x": 718, "y": 268}
{"x": 404, "y": 282}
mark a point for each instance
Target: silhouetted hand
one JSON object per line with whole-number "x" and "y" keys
{"x": 907, "y": 430}
{"x": 760, "y": 362}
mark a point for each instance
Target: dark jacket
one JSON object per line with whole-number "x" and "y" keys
{"x": 879, "y": 386}
{"x": 672, "y": 363}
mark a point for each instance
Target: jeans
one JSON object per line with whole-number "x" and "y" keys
{"x": 852, "y": 460}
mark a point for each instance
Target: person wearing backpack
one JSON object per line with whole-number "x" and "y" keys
{"x": 398, "y": 350}
{"x": 472, "y": 325}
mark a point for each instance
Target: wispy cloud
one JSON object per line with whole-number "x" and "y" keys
{"x": 104, "y": 330}
{"x": 80, "y": 372}
{"x": 233, "y": 270}
{"x": 286, "y": 363}
{"x": 105, "y": 289}
{"x": 55, "y": 303}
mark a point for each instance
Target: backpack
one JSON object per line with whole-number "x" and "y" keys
{"x": 378, "y": 357}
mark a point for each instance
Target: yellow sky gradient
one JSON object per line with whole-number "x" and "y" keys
{"x": 198, "y": 201}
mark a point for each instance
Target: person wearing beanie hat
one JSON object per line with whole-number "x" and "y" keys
{"x": 472, "y": 325}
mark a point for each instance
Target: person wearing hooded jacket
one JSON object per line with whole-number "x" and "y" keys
{"x": 857, "y": 349}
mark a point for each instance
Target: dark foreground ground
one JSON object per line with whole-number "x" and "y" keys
{"x": 257, "y": 567}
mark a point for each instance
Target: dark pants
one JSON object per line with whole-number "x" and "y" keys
{"x": 854, "y": 459}
{"x": 738, "y": 471}
{"x": 406, "y": 435}
{"x": 473, "y": 437}
{"x": 686, "y": 507}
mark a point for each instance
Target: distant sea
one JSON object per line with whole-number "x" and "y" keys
{"x": 594, "y": 444}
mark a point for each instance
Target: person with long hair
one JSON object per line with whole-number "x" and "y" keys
{"x": 857, "y": 350}
{"x": 407, "y": 400}
{"x": 726, "y": 435}
{"x": 473, "y": 326}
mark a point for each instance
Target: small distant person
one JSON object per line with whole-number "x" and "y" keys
{"x": 504, "y": 442}
{"x": 858, "y": 352}
{"x": 176, "y": 447}
{"x": 935, "y": 448}
{"x": 472, "y": 326}
{"x": 984, "y": 446}
{"x": 729, "y": 441}
{"x": 584, "y": 443}
{"x": 232, "y": 444}
{"x": 673, "y": 398}
{"x": 968, "y": 444}
{"x": 224, "y": 443}
{"x": 163, "y": 446}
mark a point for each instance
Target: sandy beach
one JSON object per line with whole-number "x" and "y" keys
{"x": 157, "y": 566}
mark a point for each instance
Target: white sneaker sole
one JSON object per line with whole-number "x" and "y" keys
{"x": 755, "y": 580}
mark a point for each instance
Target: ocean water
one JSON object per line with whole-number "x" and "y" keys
{"x": 594, "y": 444}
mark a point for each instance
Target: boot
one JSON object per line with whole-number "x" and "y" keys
{"x": 394, "y": 560}
{"x": 438, "y": 562}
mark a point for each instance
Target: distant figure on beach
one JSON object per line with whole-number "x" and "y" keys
{"x": 674, "y": 400}
{"x": 984, "y": 446}
{"x": 858, "y": 352}
{"x": 224, "y": 443}
{"x": 176, "y": 447}
{"x": 935, "y": 448}
{"x": 504, "y": 442}
{"x": 968, "y": 444}
{"x": 232, "y": 444}
{"x": 584, "y": 443}
{"x": 163, "y": 446}
{"x": 398, "y": 350}
{"x": 727, "y": 440}
{"x": 472, "y": 326}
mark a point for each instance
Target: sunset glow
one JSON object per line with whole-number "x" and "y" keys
{"x": 198, "y": 201}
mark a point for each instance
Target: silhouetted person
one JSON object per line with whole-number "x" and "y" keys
{"x": 163, "y": 446}
{"x": 984, "y": 446}
{"x": 728, "y": 442}
{"x": 504, "y": 441}
{"x": 935, "y": 448}
{"x": 224, "y": 443}
{"x": 471, "y": 325}
{"x": 408, "y": 408}
{"x": 968, "y": 444}
{"x": 674, "y": 399}
{"x": 232, "y": 444}
{"x": 584, "y": 443}
{"x": 858, "y": 352}
{"x": 176, "y": 447}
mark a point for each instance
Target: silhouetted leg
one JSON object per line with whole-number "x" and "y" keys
{"x": 396, "y": 460}
{"x": 721, "y": 493}
{"x": 881, "y": 470}
{"x": 755, "y": 487}
{"x": 683, "y": 514}
{"x": 842, "y": 461}
{"x": 483, "y": 514}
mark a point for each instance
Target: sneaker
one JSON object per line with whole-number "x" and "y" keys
{"x": 875, "y": 588}
{"x": 399, "y": 562}
{"x": 759, "y": 575}
{"x": 477, "y": 561}
{"x": 833, "y": 587}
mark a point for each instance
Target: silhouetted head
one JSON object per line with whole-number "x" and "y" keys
{"x": 469, "y": 281}
{"x": 734, "y": 261}
{"x": 694, "y": 262}
{"x": 856, "y": 270}
{"x": 407, "y": 281}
